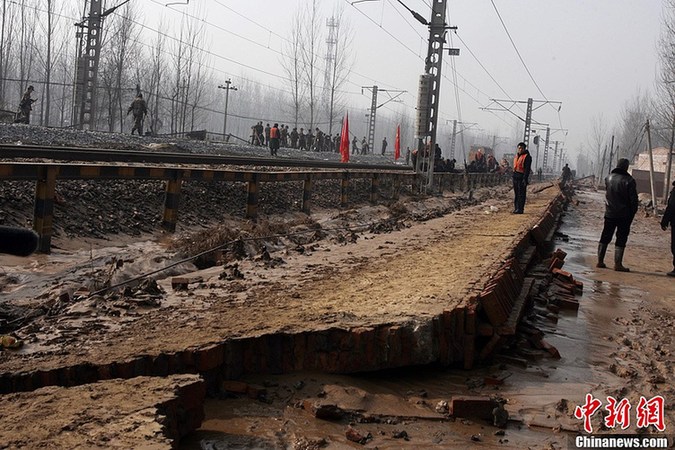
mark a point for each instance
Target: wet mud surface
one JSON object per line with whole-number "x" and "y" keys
{"x": 619, "y": 343}
{"x": 403, "y": 275}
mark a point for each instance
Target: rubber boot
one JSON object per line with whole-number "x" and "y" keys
{"x": 618, "y": 260}
{"x": 602, "y": 250}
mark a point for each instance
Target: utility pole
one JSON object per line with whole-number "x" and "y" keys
{"x": 86, "y": 72}
{"x": 555, "y": 158}
{"x": 545, "y": 159}
{"x": 651, "y": 165}
{"x": 611, "y": 156}
{"x": 373, "y": 110}
{"x": 455, "y": 133}
{"x": 430, "y": 85}
{"x": 330, "y": 76}
{"x": 453, "y": 140}
{"x": 528, "y": 113}
{"x": 227, "y": 88}
{"x": 371, "y": 119}
{"x": 528, "y": 124}
{"x": 669, "y": 161}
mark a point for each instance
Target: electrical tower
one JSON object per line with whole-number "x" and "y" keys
{"x": 331, "y": 68}
{"x": 544, "y": 162}
{"x": 86, "y": 69}
{"x": 374, "y": 107}
{"x": 528, "y": 113}
{"x": 430, "y": 86}
{"x": 86, "y": 72}
{"x": 453, "y": 139}
{"x": 547, "y": 148}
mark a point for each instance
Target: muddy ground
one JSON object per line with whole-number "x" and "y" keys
{"x": 372, "y": 269}
{"x": 618, "y": 343}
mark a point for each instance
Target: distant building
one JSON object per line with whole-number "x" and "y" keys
{"x": 640, "y": 170}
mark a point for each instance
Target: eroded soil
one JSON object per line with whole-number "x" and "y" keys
{"x": 409, "y": 273}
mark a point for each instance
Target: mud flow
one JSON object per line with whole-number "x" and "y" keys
{"x": 617, "y": 344}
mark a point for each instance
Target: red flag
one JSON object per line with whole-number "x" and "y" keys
{"x": 344, "y": 140}
{"x": 397, "y": 144}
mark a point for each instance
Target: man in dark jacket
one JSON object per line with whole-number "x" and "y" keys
{"x": 522, "y": 166}
{"x": 139, "y": 109}
{"x": 25, "y": 107}
{"x": 669, "y": 219}
{"x": 621, "y": 204}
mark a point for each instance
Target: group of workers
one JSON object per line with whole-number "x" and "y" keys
{"x": 138, "y": 107}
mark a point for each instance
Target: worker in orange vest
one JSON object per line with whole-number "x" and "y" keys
{"x": 522, "y": 166}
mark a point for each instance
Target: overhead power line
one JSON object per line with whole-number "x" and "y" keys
{"x": 517, "y": 51}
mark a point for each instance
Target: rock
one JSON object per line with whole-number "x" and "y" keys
{"x": 400, "y": 435}
{"x": 442, "y": 407}
{"x": 500, "y": 416}
{"x": 354, "y": 436}
{"x": 328, "y": 412}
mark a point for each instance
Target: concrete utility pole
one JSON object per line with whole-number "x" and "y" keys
{"x": 373, "y": 110}
{"x": 555, "y": 158}
{"x": 528, "y": 124}
{"x": 545, "y": 159}
{"x": 86, "y": 71}
{"x": 669, "y": 162}
{"x": 528, "y": 113}
{"x": 227, "y": 88}
{"x": 651, "y": 165}
{"x": 611, "y": 156}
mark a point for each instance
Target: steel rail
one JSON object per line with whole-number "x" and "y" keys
{"x": 112, "y": 155}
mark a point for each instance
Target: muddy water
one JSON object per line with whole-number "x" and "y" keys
{"x": 541, "y": 398}
{"x": 23, "y": 279}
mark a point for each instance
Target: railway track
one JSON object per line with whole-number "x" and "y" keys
{"x": 137, "y": 156}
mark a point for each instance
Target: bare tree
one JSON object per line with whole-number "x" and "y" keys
{"x": 27, "y": 44}
{"x": 115, "y": 69}
{"x": 151, "y": 77}
{"x": 631, "y": 125}
{"x": 48, "y": 63}
{"x": 310, "y": 52}
{"x": 597, "y": 141}
{"x": 338, "y": 65}
{"x": 291, "y": 61}
{"x": 665, "y": 107}
{"x": 4, "y": 46}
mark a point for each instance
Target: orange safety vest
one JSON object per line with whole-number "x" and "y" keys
{"x": 274, "y": 133}
{"x": 519, "y": 163}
